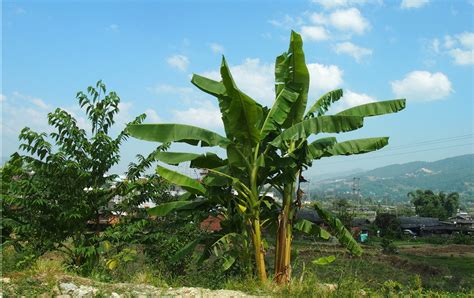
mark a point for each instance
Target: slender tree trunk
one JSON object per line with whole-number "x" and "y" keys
{"x": 259, "y": 251}
{"x": 284, "y": 238}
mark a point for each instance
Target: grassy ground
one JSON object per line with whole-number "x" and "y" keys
{"x": 417, "y": 270}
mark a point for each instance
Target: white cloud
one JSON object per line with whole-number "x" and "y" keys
{"x": 34, "y": 100}
{"x": 422, "y": 86}
{"x": 352, "y": 99}
{"x": 152, "y": 115}
{"x": 408, "y": 4}
{"x": 462, "y": 57}
{"x": 216, "y": 48}
{"x": 179, "y": 62}
{"x": 253, "y": 77}
{"x": 460, "y": 47}
{"x": 329, "y": 4}
{"x": 348, "y": 48}
{"x": 287, "y": 22}
{"x": 323, "y": 78}
{"x": 466, "y": 39}
{"x": 314, "y": 33}
{"x": 2, "y": 98}
{"x": 206, "y": 115}
{"x": 349, "y": 20}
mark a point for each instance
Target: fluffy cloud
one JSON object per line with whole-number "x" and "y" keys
{"x": 323, "y": 78}
{"x": 287, "y": 22}
{"x": 205, "y": 115}
{"x": 179, "y": 62}
{"x": 462, "y": 57}
{"x": 348, "y": 48}
{"x": 216, "y": 48}
{"x": 466, "y": 39}
{"x": 352, "y": 99}
{"x": 459, "y": 47}
{"x": 314, "y": 33}
{"x": 347, "y": 20}
{"x": 422, "y": 86}
{"x": 2, "y": 98}
{"x": 408, "y": 4}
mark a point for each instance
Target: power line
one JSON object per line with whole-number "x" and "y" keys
{"x": 431, "y": 142}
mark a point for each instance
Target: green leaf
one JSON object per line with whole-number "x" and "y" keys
{"x": 375, "y": 108}
{"x": 324, "y": 102}
{"x": 187, "y": 249}
{"x": 177, "y": 133}
{"x": 351, "y": 147}
{"x": 279, "y": 112}
{"x": 209, "y": 86}
{"x": 175, "y": 158}
{"x": 243, "y": 112}
{"x": 342, "y": 234}
{"x": 327, "y": 124}
{"x": 297, "y": 78}
{"x": 184, "y": 181}
{"x": 310, "y": 228}
{"x": 324, "y": 260}
{"x": 208, "y": 161}
{"x": 228, "y": 262}
{"x": 165, "y": 208}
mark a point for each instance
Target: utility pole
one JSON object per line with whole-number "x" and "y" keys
{"x": 356, "y": 189}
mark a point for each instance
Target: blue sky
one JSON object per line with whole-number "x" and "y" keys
{"x": 146, "y": 51}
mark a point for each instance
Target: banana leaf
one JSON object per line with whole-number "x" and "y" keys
{"x": 177, "y": 133}
{"x": 351, "y": 147}
{"x": 297, "y": 79}
{"x": 310, "y": 228}
{"x": 279, "y": 112}
{"x": 184, "y": 181}
{"x": 243, "y": 113}
{"x": 324, "y": 102}
{"x": 327, "y": 124}
{"x": 375, "y": 108}
{"x": 342, "y": 234}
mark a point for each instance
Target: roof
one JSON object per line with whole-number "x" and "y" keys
{"x": 309, "y": 214}
{"x": 417, "y": 222}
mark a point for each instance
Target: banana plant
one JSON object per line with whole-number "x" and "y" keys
{"x": 296, "y": 153}
{"x": 263, "y": 147}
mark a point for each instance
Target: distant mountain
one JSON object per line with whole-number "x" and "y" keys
{"x": 455, "y": 174}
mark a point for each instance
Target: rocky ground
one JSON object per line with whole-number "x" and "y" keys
{"x": 72, "y": 286}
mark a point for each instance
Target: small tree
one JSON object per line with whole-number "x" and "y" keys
{"x": 60, "y": 190}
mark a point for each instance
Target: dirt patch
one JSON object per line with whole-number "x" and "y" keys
{"x": 439, "y": 250}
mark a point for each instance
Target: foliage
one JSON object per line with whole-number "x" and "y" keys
{"x": 55, "y": 196}
{"x": 429, "y": 204}
{"x": 388, "y": 246}
{"x": 389, "y": 225}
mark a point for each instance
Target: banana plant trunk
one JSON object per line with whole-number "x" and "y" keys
{"x": 259, "y": 251}
{"x": 284, "y": 237}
